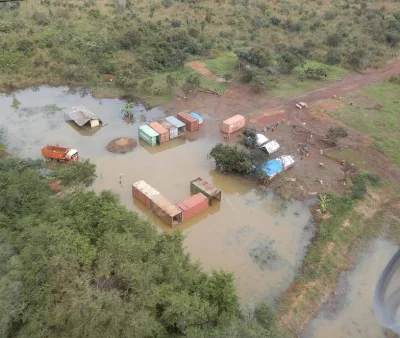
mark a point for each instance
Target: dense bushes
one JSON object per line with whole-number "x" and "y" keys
{"x": 79, "y": 264}
{"x": 164, "y": 34}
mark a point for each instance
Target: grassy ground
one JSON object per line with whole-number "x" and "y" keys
{"x": 375, "y": 111}
{"x": 352, "y": 221}
{"x": 352, "y": 156}
{"x": 166, "y": 93}
{"x": 289, "y": 86}
{"x": 225, "y": 63}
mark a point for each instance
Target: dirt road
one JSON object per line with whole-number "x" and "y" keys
{"x": 201, "y": 68}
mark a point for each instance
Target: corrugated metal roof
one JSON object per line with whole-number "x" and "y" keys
{"x": 166, "y": 124}
{"x": 186, "y": 115}
{"x": 80, "y": 115}
{"x": 286, "y": 160}
{"x": 234, "y": 119}
{"x": 158, "y": 127}
{"x": 174, "y": 121}
{"x": 261, "y": 139}
{"x": 271, "y": 146}
{"x": 149, "y": 131}
{"x": 197, "y": 116}
{"x": 275, "y": 166}
{"x": 146, "y": 189}
{"x": 165, "y": 205}
{"x": 205, "y": 186}
{"x": 192, "y": 201}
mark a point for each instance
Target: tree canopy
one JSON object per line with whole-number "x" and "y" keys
{"x": 78, "y": 264}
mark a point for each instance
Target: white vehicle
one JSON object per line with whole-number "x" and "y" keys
{"x": 301, "y": 105}
{"x": 261, "y": 139}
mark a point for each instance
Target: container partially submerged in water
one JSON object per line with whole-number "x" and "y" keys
{"x": 168, "y": 212}
{"x": 193, "y": 205}
{"x": 233, "y": 124}
{"x": 172, "y": 130}
{"x": 144, "y": 192}
{"x": 191, "y": 122}
{"x": 148, "y": 135}
{"x": 178, "y": 124}
{"x": 200, "y": 185}
{"x": 161, "y": 206}
{"x": 163, "y": 133}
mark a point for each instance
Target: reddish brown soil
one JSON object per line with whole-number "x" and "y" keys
{"x": 261, "y": 110}
{"x": 121, "y": 145}
{"x": 201, "y": 68}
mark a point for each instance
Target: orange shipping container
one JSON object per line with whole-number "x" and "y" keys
{"x": 193, "y": 205}
{"x": 191, "y": 122}
{"x": 164, "y": 134}
{"x": 233, "y": 124}
{"x": 144, "y": 193}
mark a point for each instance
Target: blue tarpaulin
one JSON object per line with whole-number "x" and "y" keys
{"x": 196, "y": 116}
{"x": 272, "y": 167}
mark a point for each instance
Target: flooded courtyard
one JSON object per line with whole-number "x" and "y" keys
{"x": 252, "y": 233}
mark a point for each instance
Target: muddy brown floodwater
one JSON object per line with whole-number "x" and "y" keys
{"x": 258, "y": 237}
{"x": 349, "y": 313}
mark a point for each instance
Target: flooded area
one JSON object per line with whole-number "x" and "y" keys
{"x": 258, "y": 237}
{"x": 349, "y": 313}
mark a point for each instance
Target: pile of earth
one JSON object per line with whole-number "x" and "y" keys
{"x": 121, "y": 145}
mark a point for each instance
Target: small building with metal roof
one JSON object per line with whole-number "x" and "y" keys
{"x": 82, "y": 117}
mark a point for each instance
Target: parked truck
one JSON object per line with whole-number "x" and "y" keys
{"x": 59, "y": 154}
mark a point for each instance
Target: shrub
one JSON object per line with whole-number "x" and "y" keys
{"x": 316, "y": 73}
{"x": 192, "y": 82}
{"x": 248, "y": 138}
{"x": 335, "y": 133}
{"x": 287, "y": 62}
{"x": 256, "y": 56}
{"x": 230, "y": 159}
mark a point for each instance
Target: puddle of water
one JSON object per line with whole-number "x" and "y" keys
{"x": 352, "y": 315}
{"x": 251, "y": 233}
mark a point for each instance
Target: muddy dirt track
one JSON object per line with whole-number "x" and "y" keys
{"x": 263, "y": 110}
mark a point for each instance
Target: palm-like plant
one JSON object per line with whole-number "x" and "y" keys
{"x": 323, "y": 203}
{"x": 127, "y": 110}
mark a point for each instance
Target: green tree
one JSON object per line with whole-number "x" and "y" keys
{"x": 192, "y": 82}
{"x": 287, "y": 62}
{"x": 171, "y": 81}
{"x": 231, "y": 159}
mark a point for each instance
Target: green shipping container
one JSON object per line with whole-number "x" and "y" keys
{"x": 149, "y": 135}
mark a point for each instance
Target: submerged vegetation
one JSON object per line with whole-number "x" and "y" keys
{"x": 77, "y": 264}
{"x": 82, "y": 40}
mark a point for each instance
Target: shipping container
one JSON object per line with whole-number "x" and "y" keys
{"x": 163, "y": 133}
{"x": 197, "y": 116}
{"x": 193, "y": 205}
{"x": 144, "y": 193}
{"x": 191, "y": 122}
{"x": 148, "y": 135}
{"x": 200, "y": 185}
{"x": 233, "y": 124}
{"x": 178, "y": 124}
{"x": 173, "y": 131}
{"x": 168, "y": 212}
